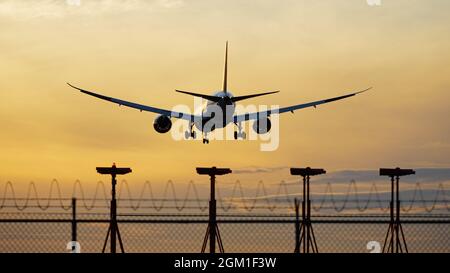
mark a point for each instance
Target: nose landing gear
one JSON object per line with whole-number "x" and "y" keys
{"x": 239, "y": 134}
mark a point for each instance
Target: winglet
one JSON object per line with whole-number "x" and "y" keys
{"x": 365, "y": 90}
{"x": 74, "y": 87}
{"x": 91, "y": 93}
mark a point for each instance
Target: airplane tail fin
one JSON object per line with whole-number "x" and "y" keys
{"x": 225, "y": 72}
{"x": 225, "y": 87}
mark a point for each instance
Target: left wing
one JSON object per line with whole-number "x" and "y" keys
{"x": 141, "y": 107}
{"x": 257, "y": 115}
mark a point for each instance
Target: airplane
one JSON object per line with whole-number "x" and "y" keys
{"x": 222, "y": 100}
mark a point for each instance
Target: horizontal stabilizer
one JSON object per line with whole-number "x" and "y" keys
{"x": 239, "y": 98}
{"x": 206, "y": 97}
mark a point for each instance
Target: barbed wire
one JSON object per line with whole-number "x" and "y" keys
{"x": 375, "y": 192}
{"x": 237, "y": 199}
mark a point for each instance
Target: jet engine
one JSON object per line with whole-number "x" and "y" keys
{"x": 262, "y": 126}
{"x": 162, "y": 124}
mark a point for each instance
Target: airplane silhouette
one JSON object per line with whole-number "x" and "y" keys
{"x": 219, "y": 111}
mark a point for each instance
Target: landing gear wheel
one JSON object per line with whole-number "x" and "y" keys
{"x": 238, "y": 135}
{"x": 205, "y": 141}
{"x": 191, "y": 134}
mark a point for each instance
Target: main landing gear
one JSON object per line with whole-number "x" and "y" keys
{"x": 239, "y": 134}
{"x": 191, "y": 133}
{"x": 205, "y": 138}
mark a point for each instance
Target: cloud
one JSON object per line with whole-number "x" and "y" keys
{"x": 54, "y": 9}
{"x": 171, "y": 3}
{"x": 423, "y": 175}
{"x": 344, "y": 177}
{"x": 437, "y": 145}
{"x": 253, "y": 170}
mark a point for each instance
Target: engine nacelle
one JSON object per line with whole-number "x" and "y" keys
{"x": 162, "y": 124}
{"x": 262, "y": 126}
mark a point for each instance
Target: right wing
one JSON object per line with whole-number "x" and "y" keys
{"x": 141, "y": 107}
{"x": 267, "y": 113}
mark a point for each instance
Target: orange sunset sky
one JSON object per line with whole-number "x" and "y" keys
{"x": 142, "y": 50}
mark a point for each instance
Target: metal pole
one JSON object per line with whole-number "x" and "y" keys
{"x": 392, "y": 214}
{"x": 113, "y": 215}
{"x": 297, "y": 226}
{"x": 397, "y": 220}
{"x": 74, "y": 220}
{"x": 308, "y": 211}
{"x": 304, "y": 215}
{"x": 212, "y": 216}
{"x": 113, "y": 228}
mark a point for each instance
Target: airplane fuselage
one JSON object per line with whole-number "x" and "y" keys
{"x": 217, "y": 115}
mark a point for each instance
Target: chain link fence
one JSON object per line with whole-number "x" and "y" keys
{"x": 47, "y": 232}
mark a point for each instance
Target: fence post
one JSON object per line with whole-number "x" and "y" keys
{"x": 74, "y": 219}
{"x": 297, "y": 226}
